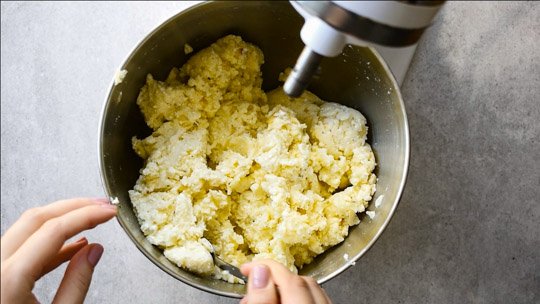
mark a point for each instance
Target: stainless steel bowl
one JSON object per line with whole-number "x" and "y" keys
{"x": 358, "y": 78}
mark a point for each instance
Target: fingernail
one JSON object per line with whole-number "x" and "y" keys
{"x": 101, "y": 200}
{"x": 95, "y": 254}
{"x": 260, "y": 274}
{"x": 109, "y": 206}
{"x": 81, "y": 240}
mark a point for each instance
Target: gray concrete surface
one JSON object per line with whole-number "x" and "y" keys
{"x": 467, "y": 229}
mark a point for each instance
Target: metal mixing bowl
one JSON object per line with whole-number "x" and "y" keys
{"x": 358, "y": 78}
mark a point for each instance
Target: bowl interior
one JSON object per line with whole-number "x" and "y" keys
{"x": 357, "y": 78}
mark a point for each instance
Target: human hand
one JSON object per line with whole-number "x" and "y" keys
{"x": 270, "y": 282}
{"x": 34, "y": 246}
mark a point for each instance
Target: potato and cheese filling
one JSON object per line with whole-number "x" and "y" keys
{"x": 252, "y": 174}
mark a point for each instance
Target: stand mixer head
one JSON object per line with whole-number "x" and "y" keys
{"x": 330, "y": 25}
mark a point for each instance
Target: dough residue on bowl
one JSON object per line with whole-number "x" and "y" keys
{"x": 119, "y": 76}
{"x": 257, "y": 175}
{"x": 187, "y": 49}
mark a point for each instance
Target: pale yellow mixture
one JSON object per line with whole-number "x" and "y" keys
{"x": 256, "y": 175}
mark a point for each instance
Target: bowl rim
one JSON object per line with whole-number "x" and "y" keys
{"x": 139, "y": 245}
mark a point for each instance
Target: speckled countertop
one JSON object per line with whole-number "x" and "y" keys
{"x": 467, "y": 229}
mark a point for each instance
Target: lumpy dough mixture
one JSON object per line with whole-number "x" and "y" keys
{"x": 257, "y": 175}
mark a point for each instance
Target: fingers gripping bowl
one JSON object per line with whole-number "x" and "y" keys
{"x": 358, "y": 79}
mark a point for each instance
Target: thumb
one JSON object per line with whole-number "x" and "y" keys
{"x": 261, "y": 288}
{"x": 78, "y": 275}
